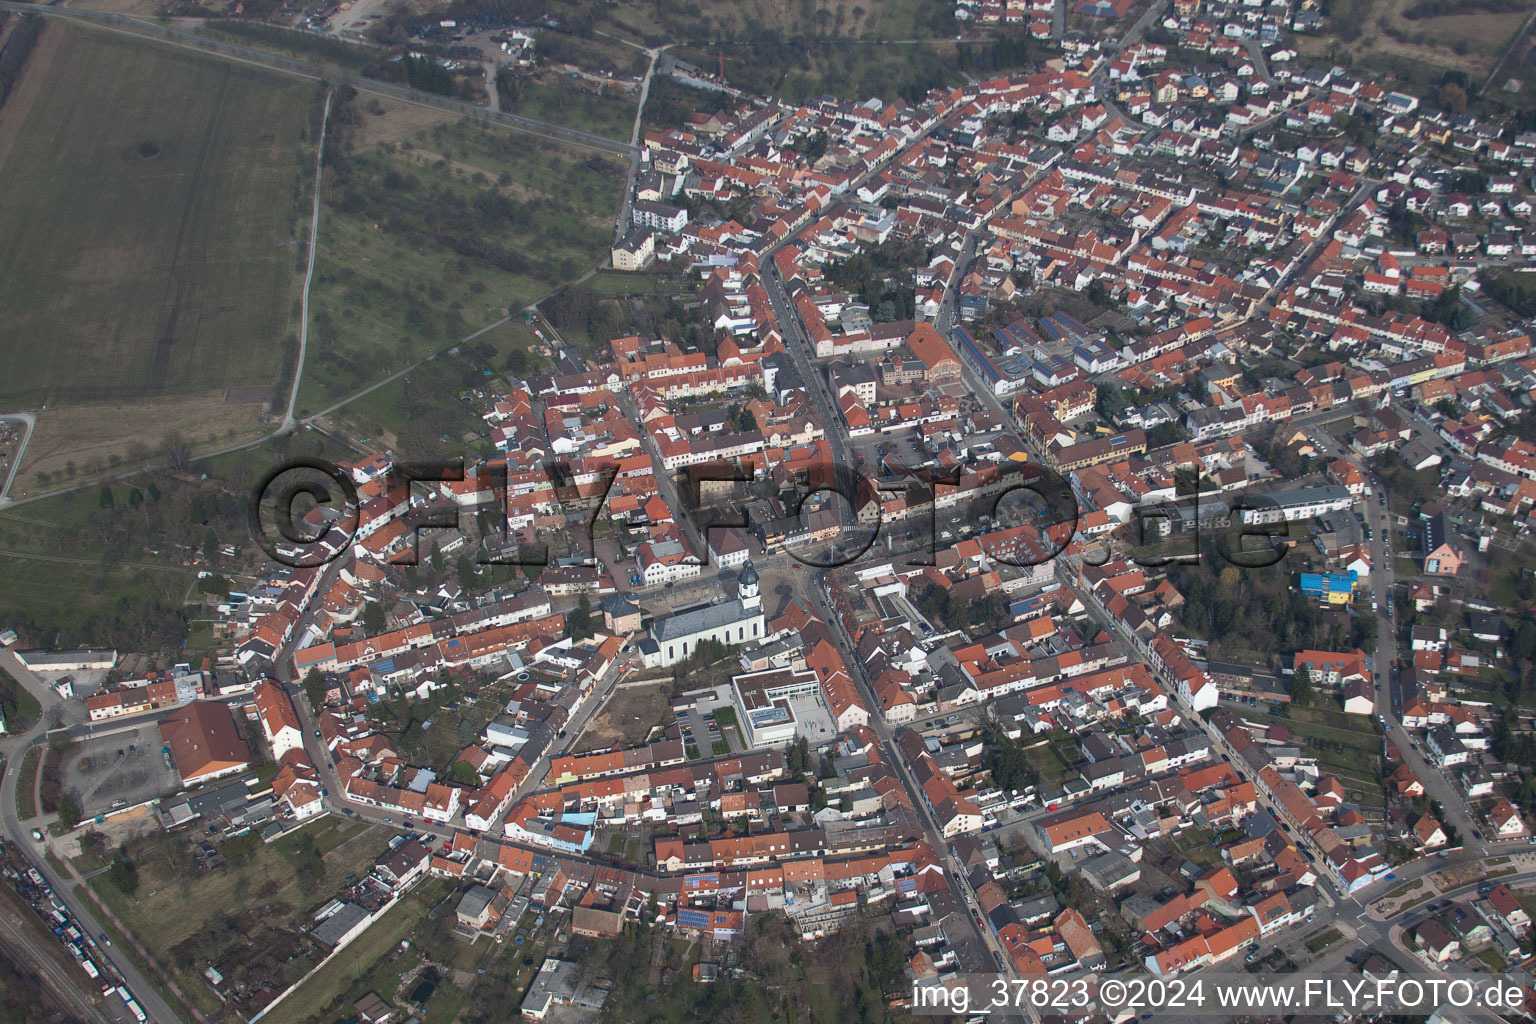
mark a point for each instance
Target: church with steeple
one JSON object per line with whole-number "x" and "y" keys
{"x": 677, "y": 637}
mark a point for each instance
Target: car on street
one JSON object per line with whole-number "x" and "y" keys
{"x": 102, "y": 938}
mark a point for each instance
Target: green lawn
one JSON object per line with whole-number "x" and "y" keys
{"x": 1317, "y": 943}
{"x": 426, "y": 241}
{"x": 149, "y": 224}
{"x": 25, "y": 807}
{"x": 19, "y": 704}
{"x": 1491, "y": 959}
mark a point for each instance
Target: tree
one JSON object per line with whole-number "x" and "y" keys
{"x": 1523, "y": 643}
{"x": 94, "y": 843}
{"x": 122, "y": 875}
{"x": 1010, "y": 766}
{"x": 373, "y": 618}
{"x": 1301, "y": 686}
{"x": 578, "y": 619}
{"x": 463, "y": 773}
{"x": 798, "y": 758}
{"x": 69, "y": 810}
{"x": 314, "y": 689}
{"x": 1453, "y": 98}
{"x": 1111, "y": 402}
{"x": 177, "y": 452}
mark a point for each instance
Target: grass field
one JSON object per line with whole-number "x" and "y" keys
{"x": 150, "y": 254}
{"x": 71, "y": 597}
{"x": 1469, "y": 41}
{"x": 438, "y": 229}
{"x": 174, "y": 904}
{"x": 84, "y": 894}
{"x": 562, "y": 101}
{"x": 359, "y": 964}
{"x": 728, "y": 19}
{"x": 1347, "y": 746}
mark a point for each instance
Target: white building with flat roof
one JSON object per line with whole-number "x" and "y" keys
{"x": 764, "y": 703}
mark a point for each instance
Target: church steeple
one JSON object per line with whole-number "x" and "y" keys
{"x": 747, "y": 587}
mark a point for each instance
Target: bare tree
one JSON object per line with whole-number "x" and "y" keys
{"x": 177, "y": 453}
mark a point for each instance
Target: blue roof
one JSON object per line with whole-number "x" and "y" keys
{"x": 1328, "y": 582}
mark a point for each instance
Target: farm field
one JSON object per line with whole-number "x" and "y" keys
{"x": 152, "y": 260}
{"x": 432, "y": 230}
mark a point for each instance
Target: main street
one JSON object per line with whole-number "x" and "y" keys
{"x": 1384, "y": 660}
{"x": 977, "y": 940}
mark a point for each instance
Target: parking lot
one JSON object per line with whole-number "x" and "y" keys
{"x": 120, "y": 769}
{"x": 699, "y": 728}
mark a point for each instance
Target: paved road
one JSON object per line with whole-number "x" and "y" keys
{"x": 1382, "y": 579}
{"x": 30, "y": 420}
{"x": 493, "y": 94}
{"x": 1256, "y": 54}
